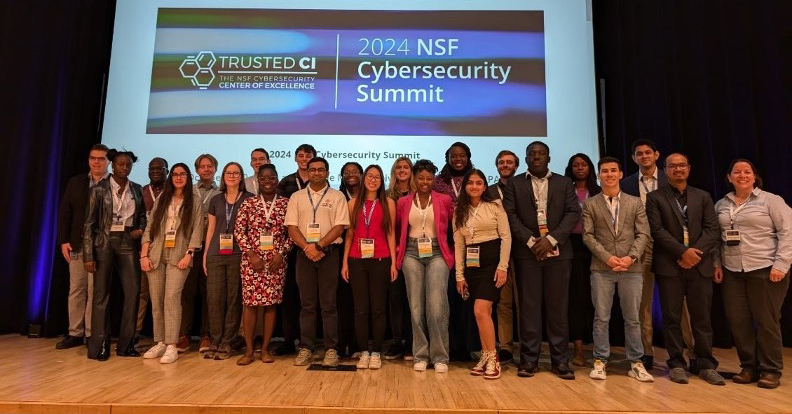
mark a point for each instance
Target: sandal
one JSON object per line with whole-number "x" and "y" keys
{"x": 266, "y": 357}
{"x": 245, "y": 360}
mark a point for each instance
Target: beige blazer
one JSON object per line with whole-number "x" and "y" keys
{"x": 600, "y": 238}
{"x": 157, "y": 246}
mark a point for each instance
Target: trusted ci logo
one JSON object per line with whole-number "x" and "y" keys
{"x": 198, "y": 69}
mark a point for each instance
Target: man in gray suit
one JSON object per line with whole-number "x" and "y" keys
{"x": 616, "y": 231}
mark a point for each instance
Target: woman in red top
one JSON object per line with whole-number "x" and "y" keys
{"x": 369, "y": 250}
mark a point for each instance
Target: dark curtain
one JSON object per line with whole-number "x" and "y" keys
{"x": 55, "y": 57}
{"x": 709, "y": 78}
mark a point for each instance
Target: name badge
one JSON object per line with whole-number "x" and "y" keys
{"x": 686, "y": 236}
{"x": 541, "y": 218}
{"x": 313, "y": 233}
{"x": 117, "y": 226}
{"x": 170, "y": 238}
{"x": 424, "y": 247}
{"x": 226, "y": 243}
{"x": 472, "y": 257}
{"x": 266, "y": 242}
{"x": 366, "y": 248}
{"x": 732, "y": 237}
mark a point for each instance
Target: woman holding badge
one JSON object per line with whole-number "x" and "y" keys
{"x": 221, "y": 262}
{"x": 482, "y": 243}
{"x": 369, "y": 247}
{"x": 264, "y": 242}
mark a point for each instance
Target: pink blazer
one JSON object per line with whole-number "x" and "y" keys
{"x": 443, "y": 209}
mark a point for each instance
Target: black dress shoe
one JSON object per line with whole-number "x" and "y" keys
{"x": 104, "y": 352}
{"x": 563, "y": 371}
{"x": 527, "y": 369}
{"x": 286, "y": 348}
{"x": 648, "y": 361}
{"x": 69, "y": 342}
{"x": 129, "y": 352}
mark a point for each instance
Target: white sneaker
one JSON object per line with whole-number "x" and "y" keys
{"x": 598, "y": 373}
{"x": 441, "y": 367}
{"x": 155, "y": 351}
{"x": 376, "y": 361}
{"x": 170, "y": 356}
{"x": 420, "y": 366}
{"x": 638, "y": 372}
{"x": 364, "y": 361}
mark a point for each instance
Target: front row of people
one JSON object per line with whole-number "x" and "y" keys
{"x": 745, "y": 241}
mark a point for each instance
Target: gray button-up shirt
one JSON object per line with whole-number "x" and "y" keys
{"x": 765, "y": 225}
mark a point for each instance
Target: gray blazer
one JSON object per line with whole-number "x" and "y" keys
{"x": 157, "y": 246}
{"x": 598, "y": 232}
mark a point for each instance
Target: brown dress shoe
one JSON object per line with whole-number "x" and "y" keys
{"x": 745, "y": 377}
{"x": 769, "y": 380}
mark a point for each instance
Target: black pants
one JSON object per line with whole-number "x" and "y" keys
{"x": 753, "y": 306}
{"x": 290, "y": 306}
{"x": 122, "y": 253}
{"x": 399, "y": 312}
{"x": 318, "y": 282}
{"x": 543, "y": 283}
{"x": 346, "y": 313}
{"x": 698, "y": 290}
{"x": 581, "y": 310}
{"x": 195, "y": 287}
{"x": 369, "y": 279}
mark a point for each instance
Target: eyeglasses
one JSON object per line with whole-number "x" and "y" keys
{"x": 317, "y": 170}
{"x": 233, "y": 173}
{"x": 180, "y": 175}
{"x": 373, "y": 177}
{"x": 677, "y": 166}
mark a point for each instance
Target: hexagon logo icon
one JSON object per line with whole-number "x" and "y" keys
{"x": 198, "y": 69}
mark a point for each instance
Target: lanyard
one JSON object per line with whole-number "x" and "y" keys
{"x": 230, "y": 213}
{"x": 470, "y": 219}
{"x": 581, "y": 202}
{"x": 423, "y": 211}
{"x": 206, "y": 197}
{"x": 539, "y": 190}
{"x": 500, "y": 192}
{"x": 454, "y": 186}
{"x": 173, "y": 212}
{"x": 316, "y": 206}
{"x": 153, "y": 197}
{"x": 367, "y": 216}
{"x": 297, "y": 180}
{"x": 119, "y": 202}
{"x": 646, "y": 188}
{"x": 268, "y": 211}
{"x": 682, "y": 211}
{"x": 614, "y": 212}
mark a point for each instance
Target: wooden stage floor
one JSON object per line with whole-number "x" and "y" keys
{"x": 35, "y": 377}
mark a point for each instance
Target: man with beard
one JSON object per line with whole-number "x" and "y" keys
{"x": 507, "y": 164}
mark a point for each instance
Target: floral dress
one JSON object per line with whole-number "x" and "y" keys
{"x": 264, "y": 287}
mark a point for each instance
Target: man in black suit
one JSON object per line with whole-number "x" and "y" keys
{"x": 543, "y": 209}
{"x": 685, "y": 230}
{"x": 71, "y": 217}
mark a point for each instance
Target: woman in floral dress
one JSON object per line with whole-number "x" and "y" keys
{"x": 265, "y": 243}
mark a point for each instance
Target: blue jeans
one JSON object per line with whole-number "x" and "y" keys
{"x": 427, "y": 292}
{"x": 630, "y": 285}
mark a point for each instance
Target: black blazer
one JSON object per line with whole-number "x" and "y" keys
{"x": 563, "y": 213}
{"x": 665, "y": 222}
{"x": 99, "y": 217}
{"x": 630, "y": 184}
{"x": 71, "y": 214}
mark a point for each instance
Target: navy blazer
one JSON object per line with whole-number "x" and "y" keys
{"x": 665, "y": 223}
{"x": 563, "y": 213}
{"x": 630, "y": 184}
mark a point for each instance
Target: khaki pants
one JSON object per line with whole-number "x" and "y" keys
{"x": 508, "y": 297}
{"x": 80, "y": 298}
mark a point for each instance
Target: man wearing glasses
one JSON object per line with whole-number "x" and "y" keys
{"x": 316, "y": 217}
{"x": 685, "y": 230}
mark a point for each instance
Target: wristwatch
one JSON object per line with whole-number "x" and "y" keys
{"x": 190, "y": 252}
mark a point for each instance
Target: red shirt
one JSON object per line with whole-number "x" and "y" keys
{"x": 374, "y": 231}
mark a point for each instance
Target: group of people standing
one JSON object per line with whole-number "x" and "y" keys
{"x": 436, "y": 254}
